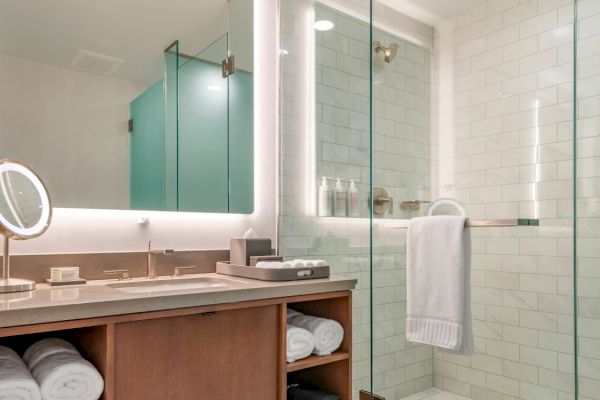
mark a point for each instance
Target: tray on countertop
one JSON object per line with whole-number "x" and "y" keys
{"x": 268, "y": 274}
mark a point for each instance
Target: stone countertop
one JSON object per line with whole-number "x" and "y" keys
{"x": 99, "y": 299}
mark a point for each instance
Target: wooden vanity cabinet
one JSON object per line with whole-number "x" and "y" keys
{"x": 234, "y": 351}
{"x": 215, "y": 355}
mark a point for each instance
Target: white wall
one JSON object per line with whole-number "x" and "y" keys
{"x": 71, "y": 127}
{"x": 75, "y": 230}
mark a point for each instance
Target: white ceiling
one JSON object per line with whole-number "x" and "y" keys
{"x": 136, "y": 31}
{"x": 432, "y": 11}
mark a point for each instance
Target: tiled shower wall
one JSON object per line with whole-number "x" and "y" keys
{"x": 503, "y": 139}
{"x": 401, "y": 108}
{"x": 342, "y": 149}
{"x": 588, "y": 196}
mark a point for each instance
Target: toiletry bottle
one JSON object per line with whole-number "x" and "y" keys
{"x": 325, "y": 198}
{"x": 353, "y": 200}
{"x": 340, "y": 203}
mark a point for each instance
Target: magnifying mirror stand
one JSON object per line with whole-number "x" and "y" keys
{"x": 8, "y": 284}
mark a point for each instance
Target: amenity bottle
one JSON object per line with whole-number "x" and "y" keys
{"x": 353, "y": 200}
{"x": 341, "y": 202}
{"x": 325, "y": 198}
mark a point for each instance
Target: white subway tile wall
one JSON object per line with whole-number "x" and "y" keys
{"x": 588, "y": 198}
{"x": 503, "y": 138}
{"x": 488, "y": 121}
{"x": 402, "y": 165}
{"x": 402, "y": 111}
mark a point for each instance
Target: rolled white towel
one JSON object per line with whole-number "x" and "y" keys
{"x": 63, "y": 376}
{"x": 46, "y": 347}
{"x": 7, "y": 353}
{"x": 269, "y": 264}
{"x": 294, "y": 264}
{"x": 292, "y": 313}
{"x": 300, "y": 343}
{"x": 62, "y": 373}
{"x": 16, "y": 382}
{"x": 328, "y": 333}
{"x": 314, "y": 263}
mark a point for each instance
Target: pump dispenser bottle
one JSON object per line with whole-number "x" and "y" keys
{"x": 325, "y": 198}
{"x": 340, "y": 203}
{"x": 353, "y": 200}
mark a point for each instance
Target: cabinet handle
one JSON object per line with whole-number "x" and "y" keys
{"x": 209, "y": 313}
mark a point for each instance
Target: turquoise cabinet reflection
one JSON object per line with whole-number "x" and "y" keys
{"x": 241, "y": 143}
{"x": 203, "y": 151}
{"x": 192, "y": 142}
{"x": 147, "y": 174}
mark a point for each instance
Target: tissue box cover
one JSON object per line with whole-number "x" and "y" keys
{"x": 242, "y": 249}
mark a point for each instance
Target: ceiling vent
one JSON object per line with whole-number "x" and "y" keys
{"x": 96, "y": 63}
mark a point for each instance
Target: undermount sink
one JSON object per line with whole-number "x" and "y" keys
{"x": 174, "y": 284}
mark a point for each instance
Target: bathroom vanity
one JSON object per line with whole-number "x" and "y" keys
{"x": 200, "y": 336}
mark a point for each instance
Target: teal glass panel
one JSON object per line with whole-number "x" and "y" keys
{"x": 241, "y": 143}
{"x": 147, "y": 171}
{"x": 171, "y": 94}
{"x": 202, "y": 139}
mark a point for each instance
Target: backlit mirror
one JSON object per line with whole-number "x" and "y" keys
{"x": 131, "y": 105}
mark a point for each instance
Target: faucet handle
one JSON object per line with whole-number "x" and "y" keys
{"x": 178, "y": 270}
{"x": 124, "y": 273}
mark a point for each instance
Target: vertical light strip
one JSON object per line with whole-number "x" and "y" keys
{"x": 259, "y": 128}
{"x": 278, "y": 127}
{"x": 575, "y": 210}
{"x": 536, "y": 160}
{"x": 311, "y": 142}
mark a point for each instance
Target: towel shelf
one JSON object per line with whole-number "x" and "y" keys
{"x": 314, "y": 361}
{"x": 477, "y": 223}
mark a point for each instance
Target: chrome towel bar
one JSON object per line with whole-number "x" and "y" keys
{"x": 474, "y": 223}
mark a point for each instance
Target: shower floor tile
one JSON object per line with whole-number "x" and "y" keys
{"x": 434, "y": 394}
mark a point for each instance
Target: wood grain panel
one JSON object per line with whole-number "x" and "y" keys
{"x": 222, "y": 356}
{"x": 95, "y": 345}
{"x": 332, "y": 378}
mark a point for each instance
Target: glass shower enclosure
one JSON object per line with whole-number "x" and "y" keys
{"x": 494, "y": 104}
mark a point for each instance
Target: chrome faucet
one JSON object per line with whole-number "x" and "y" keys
{"x": 152, "y": 259}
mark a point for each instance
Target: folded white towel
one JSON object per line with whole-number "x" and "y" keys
{"x": 16, "y": 382}
{"x": 300, "y": 343}
{"x": 328, "y": 333}
{"x": 62, "y": 373}
{"x": 438, "y": 283}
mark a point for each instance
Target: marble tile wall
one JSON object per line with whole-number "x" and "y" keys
{"x": 503, "y": 136}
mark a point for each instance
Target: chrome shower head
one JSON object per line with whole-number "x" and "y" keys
{"x": 389, "y": 52}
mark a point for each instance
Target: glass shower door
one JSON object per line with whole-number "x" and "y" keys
{"x": 479, "y": 108}
{"x": 325, "y": 96}
{"x": 401, "y": 159}
{"x": 202, "y": 147}
{"x": 588, "y": 199}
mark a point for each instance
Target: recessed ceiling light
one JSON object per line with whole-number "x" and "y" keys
{"x": 214, "y": 88}
{"x": 323, "y": 25}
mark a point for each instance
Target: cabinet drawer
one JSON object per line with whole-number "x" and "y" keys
{"x": 225, "y": 355}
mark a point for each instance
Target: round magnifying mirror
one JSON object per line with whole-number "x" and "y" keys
{"x": 25, "y": 213}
